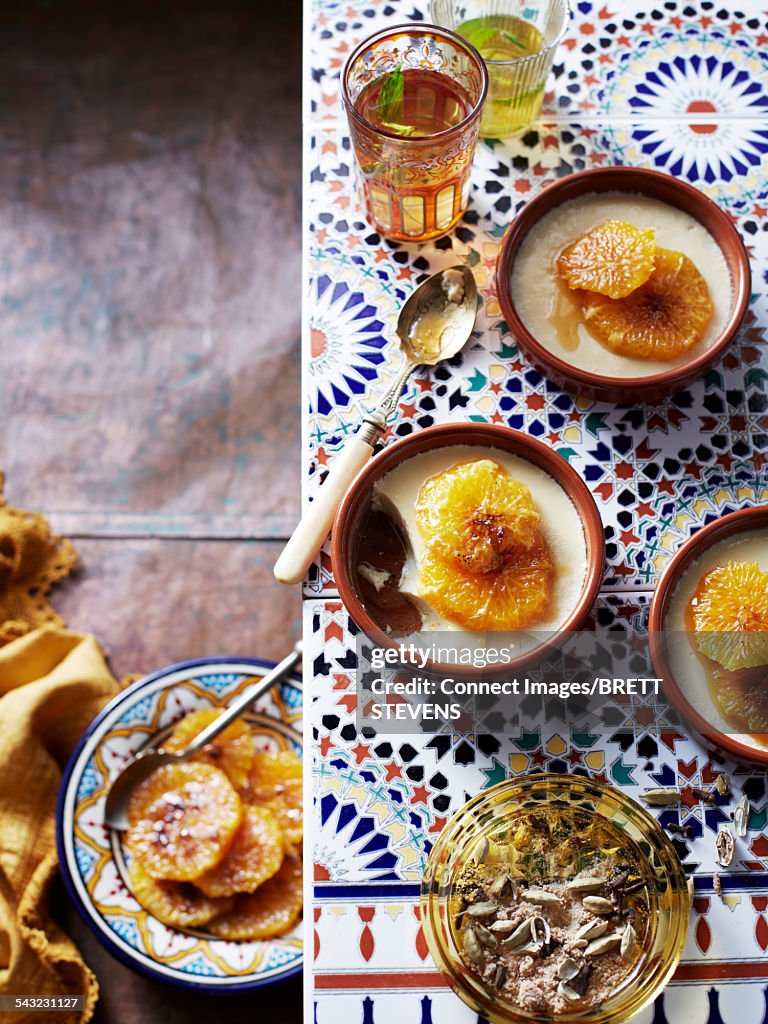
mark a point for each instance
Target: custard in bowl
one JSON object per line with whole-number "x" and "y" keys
{"x": 623, "y": 283}
{"x": 709, "y": 631}
{"x": 474, "y": 528}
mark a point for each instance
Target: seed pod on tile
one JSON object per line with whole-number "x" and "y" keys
{"x": 726, "y": 847}
{"x": 665, "y": 797}
{"x": 723, "y": 784}
{"x": 741, "y": 816}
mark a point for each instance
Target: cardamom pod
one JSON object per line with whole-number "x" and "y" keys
{"x": 586, "y": 885}
{"x": 603, "y": 945}
{"x": 741, "y": 816}
{"x": 480, "y": 910}
{"x": 541, "y": 897}
{"x": 628, "y": 940}
{"x": 661, "y": 797}
{"x": 597, "y": 905}
{"x": 592, "y": 929}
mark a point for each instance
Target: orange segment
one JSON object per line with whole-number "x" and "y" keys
{"x": 182, "y": 820}
{"x": 731, "y": 616}
{"x": 276, "y": 783}
{"x": 613, "y": 259}
{"x": 255, "y": 855}
{"x": 272, "y": 910}
{"x": 178, "y": 904}
{"x": 742, "y": 700}
{"x": 511, "y": 598}
{"x": 286, "y": 805}
{"x": 273, "y": 769}
{"x": 475, "y": 515}
{"x": 661, "y": 319}
{"x": 232, "y": 750}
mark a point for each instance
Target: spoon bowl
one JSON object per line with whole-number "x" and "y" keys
{"x": 438, "y": 317}
{"x": 435, "y": 322}
{"x": 149, "y": 760}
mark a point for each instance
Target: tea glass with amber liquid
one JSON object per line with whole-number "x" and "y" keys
{"x": 414, "y": 96}
{"x": 517, "y": 39}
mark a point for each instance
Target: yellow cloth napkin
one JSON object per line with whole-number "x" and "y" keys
{"x": 32, "y": 559}
{"x": 52, "y": 683}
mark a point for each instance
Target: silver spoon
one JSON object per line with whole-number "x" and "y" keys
{"x": 148, "y": 761}
{"x": 433, "y": 325}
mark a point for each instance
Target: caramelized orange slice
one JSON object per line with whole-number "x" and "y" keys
{"x": 232, "y": 750}
{"x": 182, "y": 820}
{"x": 272, "y": 769}
{"x": 731, "y": 616}
{"x": 475, "y": 515}
{"x": 272, "y": 910}
{"x": 512, "y": 597}
{"x": 178, "y": 904}
{"x": 612, "y": 259}
{"x": 255, "y": 855}
{"x": 742, "y": 699}
{"x": 276, "y": 783}
{"x": 661, "y": 319}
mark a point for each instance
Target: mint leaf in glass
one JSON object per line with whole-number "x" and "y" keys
{"x": 483, "y": 37}
{"x": 389, "y": 106}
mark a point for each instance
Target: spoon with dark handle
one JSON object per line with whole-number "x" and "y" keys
{"x": 148, "y": 761}
{"x": 450, "y": 322}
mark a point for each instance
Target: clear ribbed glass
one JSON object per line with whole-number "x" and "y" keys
{"x": 515, "y": 84}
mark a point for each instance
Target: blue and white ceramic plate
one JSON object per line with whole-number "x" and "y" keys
{"x": 90, "y": 854}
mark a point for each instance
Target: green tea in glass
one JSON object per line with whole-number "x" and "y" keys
{"x": 517, "y": 40}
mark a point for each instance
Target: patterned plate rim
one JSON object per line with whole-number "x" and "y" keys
{"x": 64, "y": 811}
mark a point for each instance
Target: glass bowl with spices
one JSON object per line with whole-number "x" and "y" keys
{"x": 554, "y": 898}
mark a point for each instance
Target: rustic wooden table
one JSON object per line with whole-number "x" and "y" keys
{"x": 149, "y": 396}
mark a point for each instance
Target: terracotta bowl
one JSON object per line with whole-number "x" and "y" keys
{"x": 654, "y": 185}
{"x": 352, "y": 511}
{"x": 743, "y": 521}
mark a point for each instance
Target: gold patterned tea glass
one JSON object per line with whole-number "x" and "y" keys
{"x": 414, "y": 95}
{"x": 517, "y": 40}
{"x": 578, "y": 817}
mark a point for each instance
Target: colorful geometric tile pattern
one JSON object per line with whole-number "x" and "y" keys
{"x": 680, "y": 87}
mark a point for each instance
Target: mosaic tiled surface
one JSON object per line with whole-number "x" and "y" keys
{"x": 679, "y": 87}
